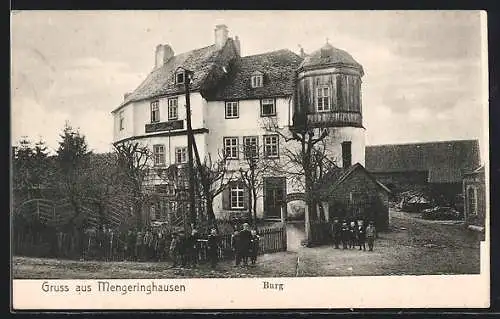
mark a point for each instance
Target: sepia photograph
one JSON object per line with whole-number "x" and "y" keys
{"x": 154, "y": 147}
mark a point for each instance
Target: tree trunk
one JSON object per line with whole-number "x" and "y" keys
{"x": 210, "y": 212}
{"x": 254, "y": 208}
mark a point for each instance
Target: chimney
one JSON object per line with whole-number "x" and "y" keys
{"x": 163, "y": 53}
{"x": 220, "y": 36}
{"x": 238, "y": 45}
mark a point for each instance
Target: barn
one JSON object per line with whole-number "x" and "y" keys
{"x": 354, "y": 193}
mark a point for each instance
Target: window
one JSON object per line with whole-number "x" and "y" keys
{"x": 346, "y": 154}
{"x": 236, "y": 197}
{"x": 232, "y": 110}
{"x": 159, "y": 155}
{"x": 122, "y": 121}
{"x": 271, "y": 147}
{"x": 181, "y": 155}
{"x": 179, "y": 78}
{"x": 172, "y": 109}
{"x": 251, "y": 146}
{"x": 323, "y": 99}
{"x": 257, "y": 80}
{"x": 231, "y": 147}
{"x": 267, "y": 107}
{"x": 155, "y": 112}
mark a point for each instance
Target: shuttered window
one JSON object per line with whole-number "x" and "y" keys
{"x": 235, "y": 196}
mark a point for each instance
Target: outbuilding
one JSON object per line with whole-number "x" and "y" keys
{"x": 354, "y": 193}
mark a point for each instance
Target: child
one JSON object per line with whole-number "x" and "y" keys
{"x": 235, "y": 244}
{"x": 370, "y": 235}
{"x": 254, "y": 246}
{"x": 345, "y": 235}
{"x": 361, "y": 233}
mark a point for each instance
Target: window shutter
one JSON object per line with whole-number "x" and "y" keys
{"x": 225, "y": 198}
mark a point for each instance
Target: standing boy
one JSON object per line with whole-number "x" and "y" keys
{"x": 254, "y": 246}
{"x": 361, "y": 235}
{"x": 236, "y": 245}
{"x": 370, "y": 235}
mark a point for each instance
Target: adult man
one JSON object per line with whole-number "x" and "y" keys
{"x": 370, "y": 235}
{"x": 245, "y": 241}
{"x": 213, "y": 247}
{"x": 352, "y": 234}
{"x": 336, "y": 230}
{"x": 345, "y": 235}
{"x": 192, "y": 248}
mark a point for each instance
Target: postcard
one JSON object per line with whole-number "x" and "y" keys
{"x": 249, "y": 160}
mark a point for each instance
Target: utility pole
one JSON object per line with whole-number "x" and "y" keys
{"x": 192, "y": 209}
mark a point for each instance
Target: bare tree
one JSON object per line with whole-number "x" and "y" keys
{"x": 252, "y": 175}
{"x": 213, "y": 175}
{"x": 133, "y": 163}
{"x": 301, "y": 163}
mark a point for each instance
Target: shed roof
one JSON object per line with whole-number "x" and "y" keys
{"x": 445, "y": 161}
{"x": 337, "y": 176}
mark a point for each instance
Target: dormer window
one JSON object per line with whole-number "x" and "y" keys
{"x": 179, "y": 78}
{"x": 257, "y": 79}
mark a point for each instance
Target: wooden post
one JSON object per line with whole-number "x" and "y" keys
{"x": 283, "y": 220}
{"x": 192, "y": 208}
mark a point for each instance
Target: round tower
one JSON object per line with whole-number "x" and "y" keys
{"x": 329, "y": 93}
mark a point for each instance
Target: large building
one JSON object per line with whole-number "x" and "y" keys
{"x": 234, "y": 99}
{"x": 435, "y": 167}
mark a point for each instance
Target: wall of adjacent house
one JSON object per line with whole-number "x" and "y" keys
{"x": 479, "y": 185}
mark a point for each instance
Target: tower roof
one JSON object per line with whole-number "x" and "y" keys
{"x": 329, "y": 55}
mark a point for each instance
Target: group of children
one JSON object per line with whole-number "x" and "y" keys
{"x": 245, "y": 244}
{"x": 353, "y": 234}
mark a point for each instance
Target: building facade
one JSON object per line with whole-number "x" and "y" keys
{"x": 244, "y": 101}
{"x": 474, "y": 190}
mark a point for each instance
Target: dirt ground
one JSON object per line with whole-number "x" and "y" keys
{"x": 412, "y": 247}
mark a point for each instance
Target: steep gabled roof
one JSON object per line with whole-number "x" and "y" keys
{"x": 445, "y": 161}
{"x": 335, "y": 177}
{"x": 278, "y": 68}
{"x": 161, "y": 81}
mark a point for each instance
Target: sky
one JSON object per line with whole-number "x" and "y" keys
{"x": 425, "y": 72}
